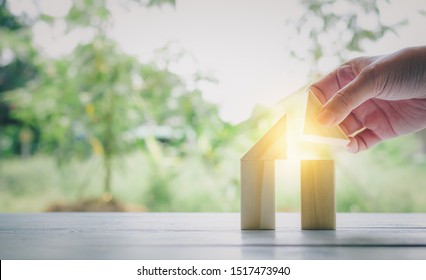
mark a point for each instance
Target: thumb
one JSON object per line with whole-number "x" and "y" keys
{"x": 348, "y": 98}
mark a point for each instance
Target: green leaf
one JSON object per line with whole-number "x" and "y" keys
{"x": 159, "y": 3}
{"x": 47, "y": 18}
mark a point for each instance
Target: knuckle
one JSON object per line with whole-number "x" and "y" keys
{"x": 358, "y": 61}
{"x": 370, "y": 77}
{"x": 355, "y": 60}
{"x": 370, "y": 71}
{"x": 346, "y": 64}
{"x": 343, "y": 98}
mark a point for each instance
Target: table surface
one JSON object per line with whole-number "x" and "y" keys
{"x": 207, "y": 236}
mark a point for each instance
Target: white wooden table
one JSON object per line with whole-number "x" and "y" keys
{"x": 207, "y": 236}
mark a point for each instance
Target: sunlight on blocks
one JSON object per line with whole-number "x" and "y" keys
{"x": 315, "y": 132}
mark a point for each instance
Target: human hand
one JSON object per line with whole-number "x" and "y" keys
{"x": 376, "y": 98}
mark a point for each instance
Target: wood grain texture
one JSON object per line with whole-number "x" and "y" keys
{"x": 313, "y": 131}
{"x": 258, "y": 194}
{"x": 272, "y": 145}
{"x": 318, "y": 205}
{"x": 258, "y": 178}
{"x": 140, "y": 236}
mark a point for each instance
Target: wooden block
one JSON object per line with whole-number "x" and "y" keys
{"x": 258, "y": 178}
{"x": 318, "y": 194}
{"x": 315, "y": 132}
{"x": 272, "y": 145}
{"x": 258, "y": 194}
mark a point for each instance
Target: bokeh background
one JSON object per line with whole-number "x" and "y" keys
{"x": 147, "y": 105}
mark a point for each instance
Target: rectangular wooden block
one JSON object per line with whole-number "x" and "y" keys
{"x": 258, "y": 194}
{"x": 318, "y": 194}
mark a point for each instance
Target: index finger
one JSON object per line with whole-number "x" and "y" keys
{"x": 333, "y": 82}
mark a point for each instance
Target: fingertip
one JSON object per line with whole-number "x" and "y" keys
{"x": 352, "y": 146}
{"x": 363, "y": 141}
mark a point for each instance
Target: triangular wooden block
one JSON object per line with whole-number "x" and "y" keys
{"x": 272, "y": 145}
{"x": 315, "y": 132}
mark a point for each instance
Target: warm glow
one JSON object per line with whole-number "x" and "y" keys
{"x": 297, "y": 146}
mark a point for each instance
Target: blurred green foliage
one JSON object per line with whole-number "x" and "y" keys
{"x": 335, "y": 28}
{"x": 98, "y": 105}
{"x": 16, "y": 69}
{"x": 89, "y": 102}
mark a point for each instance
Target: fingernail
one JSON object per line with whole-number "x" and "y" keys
{"x": 326, "y": 117}
{"x": 352, "y": 147}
